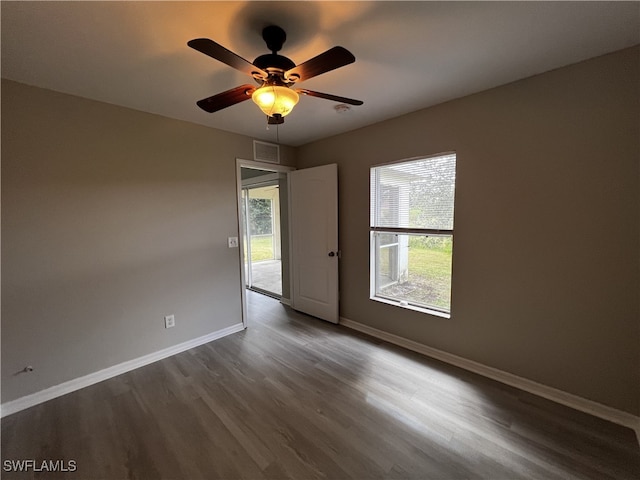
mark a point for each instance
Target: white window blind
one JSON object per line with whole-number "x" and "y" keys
{"x": 415, "y": 195}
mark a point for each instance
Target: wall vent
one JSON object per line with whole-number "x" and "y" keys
{"x": 266, "y": 152}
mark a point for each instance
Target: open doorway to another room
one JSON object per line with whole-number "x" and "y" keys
{"x": 262, "y": 237}
{"x": 264, "y": 229}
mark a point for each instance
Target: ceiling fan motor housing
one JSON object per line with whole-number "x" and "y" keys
{"x": 273, "y": 61}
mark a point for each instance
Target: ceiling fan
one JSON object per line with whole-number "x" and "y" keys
{"x": 275, "y": 75}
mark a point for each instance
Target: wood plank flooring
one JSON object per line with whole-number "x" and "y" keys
{"x": 293, "y": 397}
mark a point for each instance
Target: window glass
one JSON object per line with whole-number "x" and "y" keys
{"x": 412, "y": 207}
{"x": 423, "y": 278}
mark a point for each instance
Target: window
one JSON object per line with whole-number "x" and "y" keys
{"x": 412, "y": 232}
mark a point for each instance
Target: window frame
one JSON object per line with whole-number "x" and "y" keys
{"x": 373, "y": 245}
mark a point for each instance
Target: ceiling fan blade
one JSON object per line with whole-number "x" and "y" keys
{"x": 333, "y": 58}
{"x": 217, "y": 51}
{"x": 226, "y": 99}
{"x": 328, "y": 96}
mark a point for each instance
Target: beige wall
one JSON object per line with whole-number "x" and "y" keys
{"x": 546, "y": 250}
{"x": 111, "y": 219}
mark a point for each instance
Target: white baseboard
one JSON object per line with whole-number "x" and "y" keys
{"x": 27, "y": 401}
{"x": 579, "y": 403}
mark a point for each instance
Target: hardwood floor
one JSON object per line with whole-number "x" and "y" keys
{"x": 293, "y": 397}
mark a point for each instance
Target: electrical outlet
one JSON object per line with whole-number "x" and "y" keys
{"x": 169, "y": 321}
{"x": 233, "y": 242}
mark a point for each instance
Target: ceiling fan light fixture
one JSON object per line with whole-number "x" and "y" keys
{"x": 275, "y": 99}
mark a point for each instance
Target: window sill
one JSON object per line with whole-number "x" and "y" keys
{"x": 415, "y": 308}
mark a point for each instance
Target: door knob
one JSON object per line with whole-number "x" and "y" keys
{"x": 332, "y": 254}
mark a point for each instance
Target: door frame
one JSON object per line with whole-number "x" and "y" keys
{"x": 268, "y": 167}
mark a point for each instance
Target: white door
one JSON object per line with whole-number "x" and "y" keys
{"x": 314, "y": 241}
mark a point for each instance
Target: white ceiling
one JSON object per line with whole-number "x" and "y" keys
{"x": 409, "y": 55}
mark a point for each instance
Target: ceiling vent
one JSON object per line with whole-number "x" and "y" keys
{"x": 266, "y": 152}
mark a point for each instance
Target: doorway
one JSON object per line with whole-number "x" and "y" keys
{"x": 263, "y": 217}
{"x": 262, "y": 235}
{"x": 308, "y": 198}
